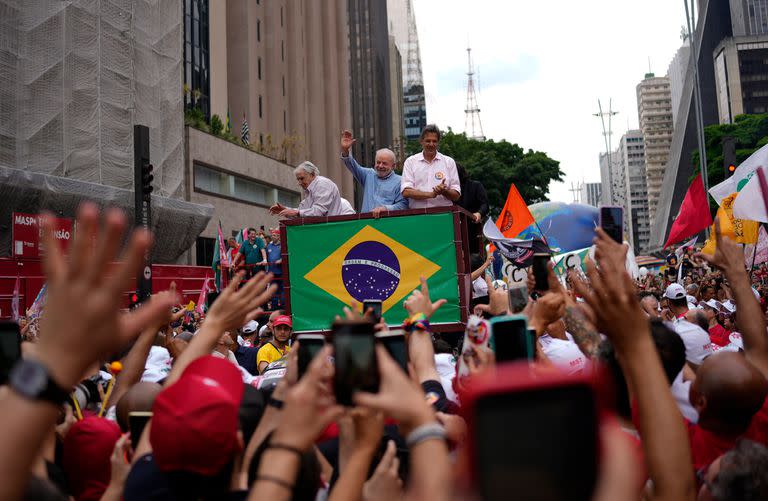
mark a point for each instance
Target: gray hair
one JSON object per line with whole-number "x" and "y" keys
{"x": 307, "y": 167}
{"x": 389, "y": 152}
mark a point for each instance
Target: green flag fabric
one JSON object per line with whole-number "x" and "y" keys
{"x": 331, "y": 264}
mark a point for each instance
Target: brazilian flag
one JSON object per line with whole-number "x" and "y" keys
{"x": 330, "y": 264}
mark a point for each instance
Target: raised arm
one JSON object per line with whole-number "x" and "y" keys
{"x": 82, "y": 324}
{"x": 664, "y": 437}
{"x": 730, "y": 258}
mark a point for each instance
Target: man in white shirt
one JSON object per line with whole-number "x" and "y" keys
{"x": 321, "y": 195}
{"x": 698, "y": 345}
{"x": 430, "y": 179}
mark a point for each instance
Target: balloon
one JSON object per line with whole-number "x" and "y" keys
{"x": 567, "y": 227}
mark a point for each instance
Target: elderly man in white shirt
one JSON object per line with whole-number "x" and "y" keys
{"x": 430, "y": 179}
{"x": 321, "y": 195}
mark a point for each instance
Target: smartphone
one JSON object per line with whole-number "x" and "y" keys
{"x": 540, "y": 271}
{"x": 10, "y": 348}
{"x": 532, "y": 430}
{"x": 374, "y": 305}
{"x": 395, "y": 343}
{"x": 355, "y": 360}
{"x": 518, "y": 298}
{"x": 136, "y": 422}
{"x": 511, "y": 339}
{"x": 612, "y": 221}
{"x": 309, "y": 346}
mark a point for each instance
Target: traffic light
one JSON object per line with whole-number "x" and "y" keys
{"x": 133, "y": 301}
{"x": 729, "y": 155}
{"x": 146, "y": 178}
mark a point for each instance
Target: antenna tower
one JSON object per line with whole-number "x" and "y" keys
{"x": 473, "y": 128}
{"x": 607, "y": 136}
{"x": 413, "y": 75}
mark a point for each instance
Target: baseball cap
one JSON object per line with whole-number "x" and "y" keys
{"x": 282, "y": 320}
{"x": 674, "y": 291}
{"x": 730, "y": 306}
{"x": 250, "y": 327}
{"x": 714, "y": 304}
{"x": 195, "y": 420}
{"x": 263, "y": 332}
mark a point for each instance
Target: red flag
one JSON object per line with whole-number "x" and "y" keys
{"x": 15, "y": 301}
{"x": 222, "y": 250}
{"x": 694, "y": 215}
{"x": 515, "y": 216}
{"x": 203, "y": 296}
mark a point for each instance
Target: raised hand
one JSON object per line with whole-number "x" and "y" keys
{"x": 385, "y": 483}
{"x": 276, "y": 209}
{"x": 235, "y": 307}
{"x": 346, "y": 142}
{"x": 728, "y": 255}
{"x": 420, "y": 302}
{"x": 498, "y": 300}
{"x": 82, "y": 321}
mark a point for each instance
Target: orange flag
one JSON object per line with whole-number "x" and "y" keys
{"x": 515, "y": 216}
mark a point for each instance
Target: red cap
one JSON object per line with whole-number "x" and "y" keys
{"x": 85, "y": 456}
{"x": 195, "y": 420}
{"x": 282, "y": 320}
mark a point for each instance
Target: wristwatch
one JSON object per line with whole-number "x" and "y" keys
{"x": 30, "y": 379}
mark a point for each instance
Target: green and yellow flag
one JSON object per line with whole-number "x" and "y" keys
{"x": 331, "y": 264}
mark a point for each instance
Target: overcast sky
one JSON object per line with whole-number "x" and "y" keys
{"x": 542, "y": 65}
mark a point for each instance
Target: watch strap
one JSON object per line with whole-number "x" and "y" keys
{"x": 50, "y": 391}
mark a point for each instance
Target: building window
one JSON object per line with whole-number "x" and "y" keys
{"x": 259, "y": 68}
{"x": 240, "y": 188}
{"x": 204, "y": 251}
{"x": 197, "y": 84}
{"x": 283, "y": 85}
{"x": 258, "y": 30}
{"x": 260, "y": 108}
{"x": 285, "y": 122}
{"x": 282, "y": 50}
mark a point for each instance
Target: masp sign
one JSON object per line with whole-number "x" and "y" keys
{"x": 27, "y": 233}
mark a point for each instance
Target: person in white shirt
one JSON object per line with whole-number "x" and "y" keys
{"x": 321, "y": 195}
{"x": 430, "y": 179}
{"x": 698, "y": 345}
{"x": 560, "y": 348}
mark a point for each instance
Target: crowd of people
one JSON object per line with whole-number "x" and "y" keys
{"x": 678, "y": 363}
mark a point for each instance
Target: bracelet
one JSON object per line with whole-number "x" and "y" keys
{"x": 276, "y": 403}
{"x": 284, "y": 447}
{"x": 275, "y": 480}
{"x": 430, "y": 431}
{"x": 418, "y": 321}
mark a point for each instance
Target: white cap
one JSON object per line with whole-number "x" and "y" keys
{"x": 262, "y": 330}
{"x": 714, "y": 304}
{"x": 730, "y": 306}
{"x": 674, "y": 291}
{"x": 250, "y": 327}
{"x": 691, "y": 299}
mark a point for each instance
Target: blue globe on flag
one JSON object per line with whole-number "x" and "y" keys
{"x": 370, "y": 271}
{"x": 567, "y": 227}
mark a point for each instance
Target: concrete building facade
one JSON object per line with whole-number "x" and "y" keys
{"x": 741, "y": 76}
{"x": 654, "y": 109}
{"x": 676, "y": 74}
{"x": 590, "y": 193}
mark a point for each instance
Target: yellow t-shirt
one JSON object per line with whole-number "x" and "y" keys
{"x": 269, "y": 353}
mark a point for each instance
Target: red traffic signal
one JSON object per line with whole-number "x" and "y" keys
{"x": 731, "y": 168}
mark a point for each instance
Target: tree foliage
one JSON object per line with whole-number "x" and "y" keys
{"x": 498, "y": 165}
{"x": 750, "y": 133}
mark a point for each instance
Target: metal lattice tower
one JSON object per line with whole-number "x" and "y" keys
{"x": 607, "y": 136}
{"x": 473, "y": 128}
{"x": 413, "y": 70}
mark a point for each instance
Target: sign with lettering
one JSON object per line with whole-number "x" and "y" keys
{"x": 26, "y": 241}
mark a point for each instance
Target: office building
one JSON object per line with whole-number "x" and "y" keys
{"x": 396, "y": 101}
{"x": 590, "y": 194}
{"x": 730, "y": 40}
{"x": 284, "y": 66}
{"x": 631, "y": 155}
{"x": 403, "y": 27}
{"x": 612, "y": 180}
{"x": 75, "y": 77}
{"x": 654, "y": 109}
{"x": 370, "y": 79}
{"x": 676, "y": 75}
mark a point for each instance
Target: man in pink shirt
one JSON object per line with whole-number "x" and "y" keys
{"x": 430, "y": 178}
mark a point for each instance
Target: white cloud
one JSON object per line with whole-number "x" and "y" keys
{"x": 542, "y": 66}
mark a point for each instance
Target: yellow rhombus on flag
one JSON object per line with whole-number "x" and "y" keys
{"x": 740, "y": 231}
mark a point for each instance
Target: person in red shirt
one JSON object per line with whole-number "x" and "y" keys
{"x": 728, "y": 393}
{"x": 718, "y": 334}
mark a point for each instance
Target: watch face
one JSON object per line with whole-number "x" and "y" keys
{"x": 30, "y": 379}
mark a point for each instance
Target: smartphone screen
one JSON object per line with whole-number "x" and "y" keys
{"x": 612, "y": 221}
{"x": 309, "y": 346}
{"x": 540, "y": 271}
{"x": 136, "y": 423}
{"x": 375, "y": 306}
{"x": 395, "y": 344}
{"x": 355, "y": 360}
{"x": 10, "y": 348}
{"x": 518, "y": 298}
{"x": 510, "y": 339}
{"x": 542, "y": 443}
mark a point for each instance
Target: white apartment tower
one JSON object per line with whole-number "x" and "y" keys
{"x": 654, "y": 108}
